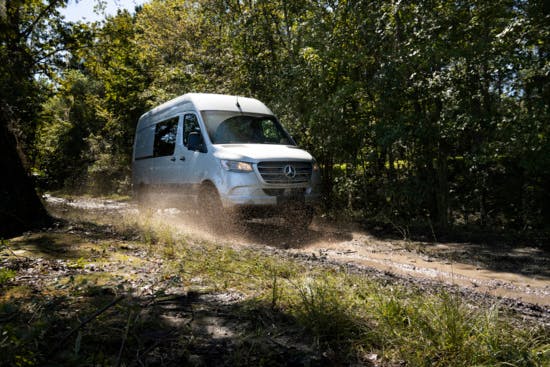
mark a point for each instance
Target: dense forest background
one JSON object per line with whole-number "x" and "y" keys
{"x": 431, "y": 113}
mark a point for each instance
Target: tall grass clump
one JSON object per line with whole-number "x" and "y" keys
{"x": 443, "y": 330}
{"x": 328, "y": 307}
{"x": 6, "y": 275}
{"x": 354, "y": 318}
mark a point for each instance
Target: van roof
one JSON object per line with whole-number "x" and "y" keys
{"x": 209, "y": 101}
{"x": 224, "y": 102}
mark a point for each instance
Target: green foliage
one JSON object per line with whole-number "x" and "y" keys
{"x": 438, "y": 110}
{"x": 84, "y": 139}
{"x": 326, "y": 307}
{"x": 68, "y": 118}
{"x": 442, "y": 330}
{"x": 6, "y": 275}
{"x": 79, "y": 263}
{"x": 34, "y": 40}
{"x": 183, "y": 48}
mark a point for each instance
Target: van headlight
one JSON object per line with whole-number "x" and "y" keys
{"x": 236, "y": 166}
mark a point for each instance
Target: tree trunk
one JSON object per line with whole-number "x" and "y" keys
{"x": 442, "y": 191}
{"x": 20, "y": 206}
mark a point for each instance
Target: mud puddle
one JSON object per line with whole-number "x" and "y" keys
{"x": 397, "y": 257}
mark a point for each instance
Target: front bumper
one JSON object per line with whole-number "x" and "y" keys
{"x": 255, "y": 196}
{"x": 239, "y": 189}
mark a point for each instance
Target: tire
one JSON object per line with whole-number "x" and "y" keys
{"x": 212, "y": 213}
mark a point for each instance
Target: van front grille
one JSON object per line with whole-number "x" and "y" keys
{"x": 285, "y": 172}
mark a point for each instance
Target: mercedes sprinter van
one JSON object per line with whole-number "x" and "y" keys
{"x": 223, "y": 154}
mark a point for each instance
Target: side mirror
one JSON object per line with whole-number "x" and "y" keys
{"x": 195, "y": 142}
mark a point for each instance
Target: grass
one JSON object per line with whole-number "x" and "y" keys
{"x": 6, "y": 275}
{"x": 347, "y": 314}
{"x": 338, "y": 317}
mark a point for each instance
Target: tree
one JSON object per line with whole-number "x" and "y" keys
{"x": 20, "y": 207}
{"x": 87, "y": 127}
{"x": 31, "y": 34}
{"x": 432, "y": 113}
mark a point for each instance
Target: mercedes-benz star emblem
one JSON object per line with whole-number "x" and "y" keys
{"x": 290, "y": 171}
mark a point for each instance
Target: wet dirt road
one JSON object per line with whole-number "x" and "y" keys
{"x": 518, "y": 274}
{"x": 518, "y": 278}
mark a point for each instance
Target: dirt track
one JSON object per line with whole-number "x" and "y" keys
{"x": 517, "y": 276}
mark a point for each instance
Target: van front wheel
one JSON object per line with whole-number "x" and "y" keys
{"x": 211, "y": 210}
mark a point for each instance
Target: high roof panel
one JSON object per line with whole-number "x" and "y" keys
{"x": 208, "y": 102}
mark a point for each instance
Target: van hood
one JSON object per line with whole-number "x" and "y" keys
{"x": 255, "y": 153}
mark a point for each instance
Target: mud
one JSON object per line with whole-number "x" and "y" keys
{"x": 463, "y": 265}
{"x": 517, "y": 275}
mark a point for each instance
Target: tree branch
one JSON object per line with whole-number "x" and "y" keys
{"x": 43, "y": 13}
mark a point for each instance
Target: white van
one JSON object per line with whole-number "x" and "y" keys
{"x": 224, "y": 154}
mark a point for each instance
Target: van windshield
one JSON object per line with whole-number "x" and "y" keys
{"x": 226, "y": 127}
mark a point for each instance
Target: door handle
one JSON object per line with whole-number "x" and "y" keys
{"x": 182, "y": 158}
{"x": 173, "y": 159}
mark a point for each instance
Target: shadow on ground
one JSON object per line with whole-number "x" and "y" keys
{"x": 171, "y": 327}
{"x": 49, "y": 245}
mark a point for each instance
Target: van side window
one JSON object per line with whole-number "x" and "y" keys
{"x": 190, "y": 124}
{"x": 165, "y": 137}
